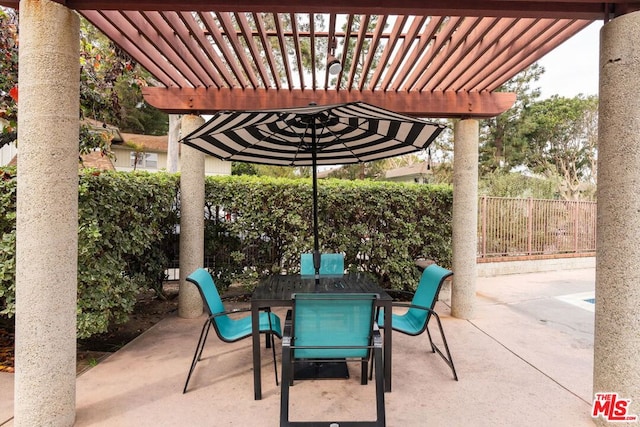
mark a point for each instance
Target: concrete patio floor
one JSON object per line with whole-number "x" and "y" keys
{"x": 525, "y": 359}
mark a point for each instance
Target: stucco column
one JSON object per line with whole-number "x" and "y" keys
{"x": 191, "y": 220}
{"x": 47, "y": 215}
{"x": 617, "y": 313}
{"x": 173, "y": 146}
{"x": 465, "y": 218}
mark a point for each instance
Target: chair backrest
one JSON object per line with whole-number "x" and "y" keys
{"x": 427, "y": 293}
{"x": 332, "y": 325}
{"x": 330, "y": 264}
{"x": 210, "y": 296}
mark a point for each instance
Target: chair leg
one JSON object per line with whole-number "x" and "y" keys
{"x": 269, "y": 338}
{"x": 363, "y": 370}
{"x": 380, "y": 409}
{"x": 206, "y": 335}
{"x": 286, "y": 383}
{"x": 275, "y": 365}
{"x": 448, "y": 360}
{"x": 268, "y": 341}
{"x": 433, "y": 346}
{"x": 198, "y": 353}
{"x": 371, "y": 366}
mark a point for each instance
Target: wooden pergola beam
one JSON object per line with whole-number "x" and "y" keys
{"x": 577, "y": 9}
{"x": 420, "y": 104}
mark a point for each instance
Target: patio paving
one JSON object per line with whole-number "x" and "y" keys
{"x": 524, "y": 359}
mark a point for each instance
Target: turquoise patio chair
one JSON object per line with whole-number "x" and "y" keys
{"x": 416, "y": 319}
{"x": 328, "y": 326}
{"x": 228, "y": 329}
{"x": 330, "y": 264}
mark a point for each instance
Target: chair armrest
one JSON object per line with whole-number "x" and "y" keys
{"x": 224, "y": 313}
{"x": 409, "y": 305}
{"x": 238, "y": 310}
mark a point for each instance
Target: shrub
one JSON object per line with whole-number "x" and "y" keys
{"x": 381, "y": 227}
{"x": 124, "y": 219}
{"x": 254, "y": 226}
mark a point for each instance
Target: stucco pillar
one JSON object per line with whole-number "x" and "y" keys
{"x": 465, "y": 218}
{"x": 617, "y": 313}
{"x": 191, "y": 220}
{"x": 173, "y": 147}
{"x": 47, "y": 215}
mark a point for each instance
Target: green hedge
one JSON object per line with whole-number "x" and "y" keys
{"x": 381, "y": 227}
{"x": 123, "y": 221}
{"x": 255, "y": 226}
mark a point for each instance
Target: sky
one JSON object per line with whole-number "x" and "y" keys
{"x": 572, "y": 68}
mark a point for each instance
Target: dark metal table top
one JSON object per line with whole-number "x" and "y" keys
{"x": 280, "y": 288}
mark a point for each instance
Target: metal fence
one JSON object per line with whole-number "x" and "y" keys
{"x": 529, "y": 227}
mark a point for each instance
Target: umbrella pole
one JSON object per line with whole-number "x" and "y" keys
{"x": 314, "y": 161}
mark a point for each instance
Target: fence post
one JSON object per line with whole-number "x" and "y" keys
{"x": 529, "y": 226}
{"x": 483, "y": 221}
{"x": 576, "y": 224}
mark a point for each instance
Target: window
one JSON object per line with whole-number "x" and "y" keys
{"x": 144, "y": 160}
{"x": 150, "y": 160}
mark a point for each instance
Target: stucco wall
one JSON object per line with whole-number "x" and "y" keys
{"x": 488, "y": 269}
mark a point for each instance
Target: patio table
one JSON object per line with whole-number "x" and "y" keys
{"x": 277, "y": 291}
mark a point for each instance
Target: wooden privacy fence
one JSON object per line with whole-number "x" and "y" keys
{"x": 529, "y": 227}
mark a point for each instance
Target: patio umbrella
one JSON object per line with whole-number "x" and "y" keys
{"x": 315, "y": 135}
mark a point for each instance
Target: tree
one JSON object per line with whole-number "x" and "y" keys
{"x": 509, "y": 184}
{"x": 440, "y": 155}
{"x": 364, "y": 54}
{"x": 110, "y": 85}
{"x": 562, "y": 136}
{"x": 242, "y": 168}
{"x": 553, "y": 138}
{"x": 8, "y": 75}
{"x": 136, "y": 115}
{"x": 502, "y": 141}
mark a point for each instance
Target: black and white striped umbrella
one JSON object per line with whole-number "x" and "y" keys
{"x": 310, "y": 136}
{"x": 344, "y": 133}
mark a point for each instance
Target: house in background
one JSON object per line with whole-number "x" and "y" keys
{"x": 147, "y": 152}
{"x": 417, "y": 173}
{"x": 130, "y": 152}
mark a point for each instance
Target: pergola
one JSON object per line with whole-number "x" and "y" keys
{"x": 437, "y": 59}
{"x": 437, "y": 66}
{"x": 430, "y": 59}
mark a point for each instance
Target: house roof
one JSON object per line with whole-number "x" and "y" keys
{"x": 97, "y": 160}
{"x": 150, "y": 143}
{"x": 421, "y": 168}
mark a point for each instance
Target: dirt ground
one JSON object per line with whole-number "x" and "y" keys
{"x": 148, "y": 311}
